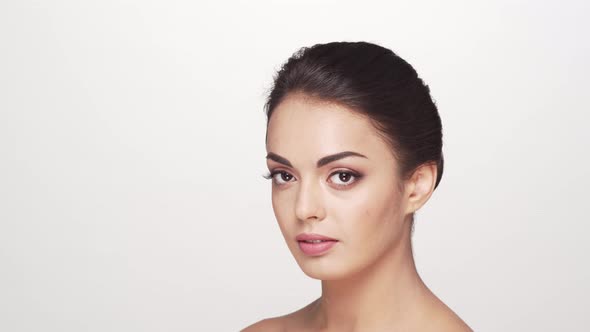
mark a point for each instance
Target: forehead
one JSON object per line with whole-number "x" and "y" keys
{"x": 302, "y": 128}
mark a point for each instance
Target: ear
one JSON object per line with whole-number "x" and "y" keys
{"x": 420, "y": 186}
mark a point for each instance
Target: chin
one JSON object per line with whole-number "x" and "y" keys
{"x": 324, "y": 268}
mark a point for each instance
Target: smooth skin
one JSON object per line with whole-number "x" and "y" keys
{"x": 369, "y": 279}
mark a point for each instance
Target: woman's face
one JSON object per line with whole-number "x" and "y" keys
{"x": 354, "y": 199}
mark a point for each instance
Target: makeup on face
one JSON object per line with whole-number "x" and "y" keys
{"x": 345, "y": 183}
{"x": 315, "y": 244}
{"x": 335, "y": 180}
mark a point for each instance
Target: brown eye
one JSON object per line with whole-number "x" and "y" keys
{"x": 282, "y": 176}
{"x": 344, "y": 179}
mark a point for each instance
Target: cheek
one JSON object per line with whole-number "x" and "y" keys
{"x": 370, "y": 217}
{"x": 387, "y": 222}
{"x": 282, "y": 207}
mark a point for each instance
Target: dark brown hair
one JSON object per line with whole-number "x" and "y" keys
{"x": 373, "y": 81}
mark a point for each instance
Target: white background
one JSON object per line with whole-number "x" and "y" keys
{"x": 132, "y": 153}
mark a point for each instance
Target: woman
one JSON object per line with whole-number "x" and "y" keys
{"x": 354, "y": 145}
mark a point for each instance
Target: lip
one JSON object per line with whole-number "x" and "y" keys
{"x": 315, "y": 249}
{"x": 312, "y": 236}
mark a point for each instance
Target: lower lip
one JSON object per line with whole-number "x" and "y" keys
{"x": 315, "y": 249}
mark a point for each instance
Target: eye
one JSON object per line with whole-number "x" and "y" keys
{"x": 282, "y": 176}
{"x": 344, "y": 179}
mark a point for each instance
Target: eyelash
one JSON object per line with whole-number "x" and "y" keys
{"x": 356, "y": 176}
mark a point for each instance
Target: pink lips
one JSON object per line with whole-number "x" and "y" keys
{"x": 315, "y": 249}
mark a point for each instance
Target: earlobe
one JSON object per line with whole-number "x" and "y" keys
{"x": 421, "y": 186}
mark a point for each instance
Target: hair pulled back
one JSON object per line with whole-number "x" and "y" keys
{"x": 376, "y": 82}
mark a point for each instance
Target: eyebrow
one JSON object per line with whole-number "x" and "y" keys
{"x": 321, "y": 162}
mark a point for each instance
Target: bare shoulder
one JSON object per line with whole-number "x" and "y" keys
{"x": 446, "y": 320}
{"x": 274, "y": 324}
{"x": 288, "y": 322}
{"x": 453, "y": 323}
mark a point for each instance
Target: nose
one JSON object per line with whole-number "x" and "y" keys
{"x": 309, "y": 204}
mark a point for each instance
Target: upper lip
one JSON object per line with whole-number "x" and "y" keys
{"x": 311, "y": 236}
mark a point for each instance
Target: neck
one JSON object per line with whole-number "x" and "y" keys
{"x": 388, "y": 292}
